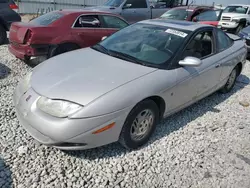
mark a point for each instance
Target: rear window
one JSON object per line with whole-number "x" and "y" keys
{"x": 48, "y": 18}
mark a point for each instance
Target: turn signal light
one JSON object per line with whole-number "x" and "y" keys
{"x": 104, "y": 128}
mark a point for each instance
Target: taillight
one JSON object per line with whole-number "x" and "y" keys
{"x": 27, "y": 37}
{"x": 14, "y": 6}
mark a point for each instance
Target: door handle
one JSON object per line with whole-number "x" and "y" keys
{"x": 133, "y": 11}
{"x": 217, "y": 66}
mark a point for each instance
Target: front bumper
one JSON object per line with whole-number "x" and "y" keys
{"x": 22, "y": 51}
{"x": 228, "y": 25}
{"x": 65, "y": 133}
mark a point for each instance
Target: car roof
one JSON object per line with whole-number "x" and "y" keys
{"x": 182, "y": 25}
{"x": 192, "y": 7}
{"x": 82, "y": 11}
{"x": 239, "y": 5}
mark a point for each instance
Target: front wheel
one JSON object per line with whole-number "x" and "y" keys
{"x": 139, "y": 125}
{"x": 238, "y": 29}
{"x": 3, "y": 35}
{"x": 230, "y": 82}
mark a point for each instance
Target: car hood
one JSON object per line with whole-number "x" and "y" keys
{"x": 83, "y": 75}
{"x": 233, "y": 15}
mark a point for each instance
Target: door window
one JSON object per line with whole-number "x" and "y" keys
{"x": 136, "y": 3}
{"x": 88, "y": 21}
{"x": 223, "y": 41}
{"x": 201, "y": 46}
{"x": 114, "y": 22}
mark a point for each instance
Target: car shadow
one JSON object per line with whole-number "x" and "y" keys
{"x": 190, "y": 113}
{"x": 4, "y": 71}
{"x": 5, "y": 175}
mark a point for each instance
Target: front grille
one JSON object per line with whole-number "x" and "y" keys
{"x": 225, "y": 18}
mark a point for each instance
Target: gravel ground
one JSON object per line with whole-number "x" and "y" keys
{"x": 206, "y": 145}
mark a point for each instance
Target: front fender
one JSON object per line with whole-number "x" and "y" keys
{"x": 130, "y": 94}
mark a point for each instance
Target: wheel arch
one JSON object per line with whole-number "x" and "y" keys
{"x": 239, "y": 68}
{"x": 159, "y": 101}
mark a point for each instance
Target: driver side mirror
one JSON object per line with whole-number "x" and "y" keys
{"x": 103, "y": 38}
{"x": 195, "y": 19}
{"x": 127, "y": 6}
{"x": 190, "y": 62}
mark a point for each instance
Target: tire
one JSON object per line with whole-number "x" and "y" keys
{"x": 238, "y": 29}
{"x": 3, "y": 35}
{"x": 150, "y": 113}
{"x": 62, "y": 48}
{"x": 231, "y": 81}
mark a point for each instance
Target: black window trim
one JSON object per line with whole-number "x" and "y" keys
{"x": 174, "y": 64}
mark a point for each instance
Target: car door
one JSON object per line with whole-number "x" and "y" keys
{"x": 112, "y": 24}
{"x": 135, "y": 10}
{"x": 86, "y": 30}
{"x": 224, "y": 52}
{"x": 194, "y": 82}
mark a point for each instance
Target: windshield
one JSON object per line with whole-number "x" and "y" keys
{"x": 177, "y": 14}
{"x": 144, "y": 43}
{"x": 236, "y": 9}
{"x": 47, "y": 19}
{"x": 114, "y": 3}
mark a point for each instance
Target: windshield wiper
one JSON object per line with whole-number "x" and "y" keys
{"x": 126, "y": 57}
{"x": 101, "y": 48}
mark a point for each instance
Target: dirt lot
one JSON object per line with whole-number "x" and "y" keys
{"x": 206, "y": 145}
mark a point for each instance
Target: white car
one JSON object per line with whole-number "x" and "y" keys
{"x": 235, "y": 17}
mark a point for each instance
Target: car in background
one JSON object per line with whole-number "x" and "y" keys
{"x": 121, "y": 88}
{"x": 8, "y": 15}
{"x": 133, "y": 10}
{"x": 210, "y": 17}
{"x": 235, "y": 17}
{"x": 61, "y": 31}
{"x": 245, "y": 34}
{"x": 187, "y": 13}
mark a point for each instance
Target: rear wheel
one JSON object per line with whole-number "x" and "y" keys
{"x": 3, "y": 35}
{"x": 62, "y": 48}
{"x": 231, "y": 81}
{"x": 139, "y": 125}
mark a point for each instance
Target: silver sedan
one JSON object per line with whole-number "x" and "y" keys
{"x": 120, "y": 89}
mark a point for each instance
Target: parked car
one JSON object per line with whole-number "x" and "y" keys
{"x": 8, "y": 15}
{"x": 61, "y": 31}
{"x": 211, "y": 17}
{"x": 245, "y": 34}
{"x": 235, "y": 17}
{"x": 185, "y": 12}
{"x": 131, "y": 10}
{"x": 119, "y": 89}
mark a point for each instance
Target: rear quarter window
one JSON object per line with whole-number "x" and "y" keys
{"x": 47, "y": 19}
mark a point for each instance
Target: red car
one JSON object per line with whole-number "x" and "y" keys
{"x": 185, "y": 12}
{"x": 61, "y": 31}
{"x": 211, "y": 17}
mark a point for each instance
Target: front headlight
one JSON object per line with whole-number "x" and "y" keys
{"x": 57, "y": 108}
{"x": 235, "y": 20}
{"x": 26, "y": 82}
